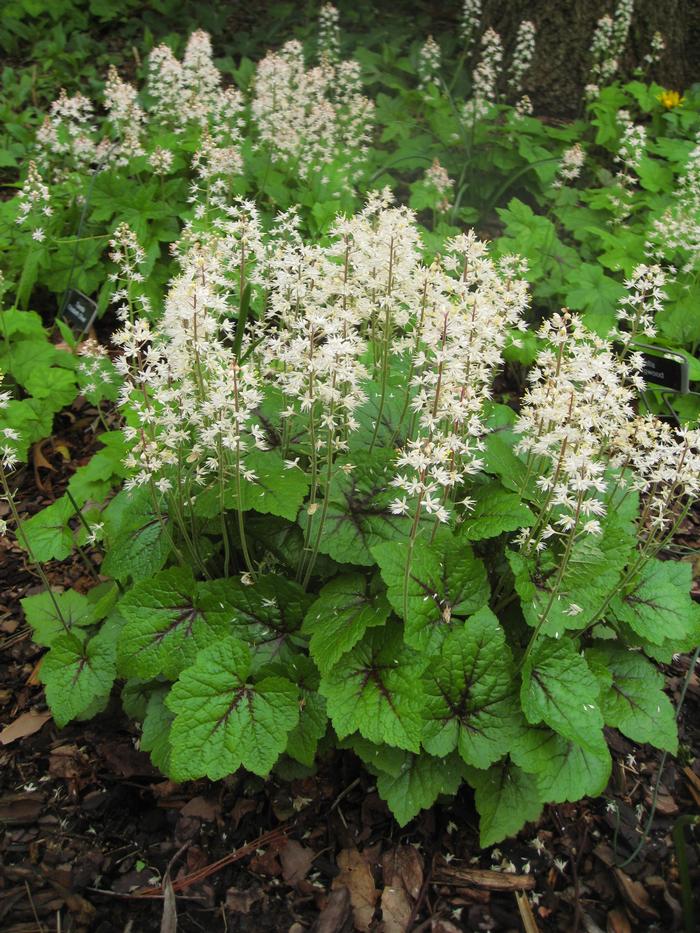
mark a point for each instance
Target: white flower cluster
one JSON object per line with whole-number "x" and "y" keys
{"x": 8, "y": 438}
{"x": 310, "y": 117}
{"x": 585, "y": 443}
{"x": 34, "y": 202}
{"x": 632, "y": 146}
{"x": 662, "y": 464}
{"x": 197, "y": 397}
{"x": 469, "y": 23}
{"x": 429, "y": 61}
{"x": 522, "y": 56}
{"x": 607, "y": 46}
{"x": 581, "y": 394}
{"x": 656, "y": 50}
{"x": 637, "y": 309}
{"x": 67, "y": 134}
{"x": 468, "y": 305}
{"x": 179, "y": 93}
{"x": 128, "y": 256}
{"x": 125, "y": 114}
{"x": 570, "y": 166}
{"x": 437, "y": 177}
{"x": 184, "y": 92}
{"x": 161, "y": 160}
{"x": 329, "y": 33}
{"x": 485, "y": 76}
{"x": 676, "y": 234}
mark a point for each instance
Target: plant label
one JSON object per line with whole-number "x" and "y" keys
{"x": 670, "y": 372}
{"x": 79, "y": 310}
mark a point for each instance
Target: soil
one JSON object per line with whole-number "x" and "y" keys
{"x": 92, "y": 838}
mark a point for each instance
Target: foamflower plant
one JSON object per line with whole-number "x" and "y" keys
{"x": 331, "y": 535}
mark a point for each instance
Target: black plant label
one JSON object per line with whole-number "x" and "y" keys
{"x": 666, "y": 371}
{"x": 79, "y": 310}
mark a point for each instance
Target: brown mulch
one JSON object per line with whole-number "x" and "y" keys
{"x": 92, "y": 838}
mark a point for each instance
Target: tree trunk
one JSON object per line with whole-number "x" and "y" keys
{"x": 564, "y": 32}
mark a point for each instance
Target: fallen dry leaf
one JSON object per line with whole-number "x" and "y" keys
{"x": 67, "y": 761}
{"x": 665, "y": 804}
{"x": 241, "y": 807}
{"x": 336, "y": 913}
{"x": 296, "y": 861}
{"x": 356, "y": 876}
{"x": 396, "y": 909}
{"x": 24, "y": 725}
{"x": 34, "y": 679}
{"x": 617, "y": 922}
{"x": 40, "y": 463}
{"x": 202, "y": 808}
{"x": 405, "y": 865}
{"x": 403, "y": 878}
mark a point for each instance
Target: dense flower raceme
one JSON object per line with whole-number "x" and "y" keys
{"x": 469, "y": 24}
{"x": 485, "y": 77}
{"x": 329, "y": 32}
{"x": 571, "y": 164}
{"x": 429, "y": 61}
{"x": 675, "y": 236}
{"x": 607, "y": 46}
{"x": 310, "y": 116}
{"x": 522, "y": 56}
{"x": 437, "y": 178}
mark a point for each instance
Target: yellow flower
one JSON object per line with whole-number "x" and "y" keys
{"x": 671, "y": 99}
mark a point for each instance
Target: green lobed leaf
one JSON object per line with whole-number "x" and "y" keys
{"x": 594, "y": 569}
{"x": 420, "y": 781}
{"x": 224, "y": 721}
{"x": 658, "y": 605}
{"x": 40, "y": 612}
{"x": 559, "y": 689}
{"x": 375, "y": 690}
{"x": 470, "y": 702}
{"x": 265, "y": 615}
{"x": 346, "y": 607}
{"x": 446, "y": 583}
{"x": 377, "y": 759}
{"x": 495, "y": 510}
{"x": 48, "y": 532}
{"x": 591, "y": 290}
{"x": 278, "y": 489}
{"x": 506, "y": 798}
{"x": 501, "y": 460}
{"x": 137, "y": 546}
{"x": 395, "y": 413}
{"x": 55, "y": 387}
{"x": 635, "y": 702}
{"x": 165, "y": 625}
{"x": 358, "y": 514}
{"x": 76, "y": 673}
{"x": 102, "y": 472}
{"x": 30, "y": 418}
{"x": 564, "y": 770}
